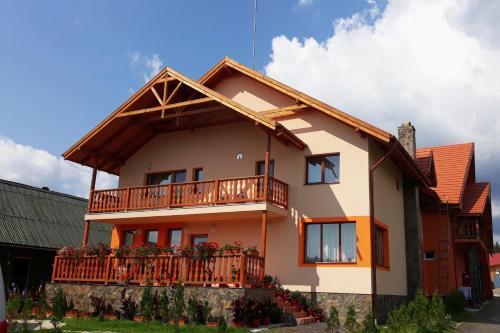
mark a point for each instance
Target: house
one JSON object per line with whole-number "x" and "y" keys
{"x": 332, "y": 203}
{"x": 495, "y": 269}
{"x": 457, "y": 225}
{"x": 34, "y": 224}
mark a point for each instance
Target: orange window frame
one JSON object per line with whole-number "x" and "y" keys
{"x": 362, "y": 241}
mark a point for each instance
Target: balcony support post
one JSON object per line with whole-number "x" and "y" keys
{"x": 86, "y": 224}
{"x": 263, "y": 238}
{"x": 267, "y": 156}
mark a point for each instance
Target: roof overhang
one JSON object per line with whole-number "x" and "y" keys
{"x": 169, "y": 102}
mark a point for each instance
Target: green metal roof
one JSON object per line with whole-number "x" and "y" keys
{"x": 35, "y": 217}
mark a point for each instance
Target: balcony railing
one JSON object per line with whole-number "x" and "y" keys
{"x": 468, "y": 229}
{"x": 240, "y": 270}
{"x": 213, "y": 192}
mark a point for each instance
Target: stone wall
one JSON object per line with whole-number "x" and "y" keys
{"x": 362, "y": 303}
{"x": 218, "y": 298}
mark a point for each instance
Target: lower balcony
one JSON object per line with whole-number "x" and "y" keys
{"x": 468, "y": 230}
{"x": 204, "y": 193}
{"x": 243, "y": 270}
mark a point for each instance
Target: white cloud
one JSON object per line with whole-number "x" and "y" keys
{"x": 303, "y": 3}
{"x": 150, "y": 66}
{"x": 433, "y": 62}
{"x": 37, "y": 167}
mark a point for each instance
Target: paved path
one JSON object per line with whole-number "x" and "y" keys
{"x": 487, "y": 320}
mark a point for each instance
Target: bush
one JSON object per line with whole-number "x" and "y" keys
{"x": 177, "y": 305}
{"x": 421, "y": 315}
{"x": 454, "y": 303}
{"x": 350, "y": 322}
{"x": 98, "y": 305}
{"x": 369, "y": 325}
{"x": 164, "y": 306}
{"x": 147, "y": 307}
{"x": 198, "y": 312}
{"x": 333, "y": 322}
{"x": 128, "y": 307}
{"x": 59, "y": 308}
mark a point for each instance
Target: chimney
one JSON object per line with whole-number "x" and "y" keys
{"x": 406, "y": 135}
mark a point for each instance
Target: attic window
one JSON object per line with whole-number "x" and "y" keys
{"x": 429, "y": 255}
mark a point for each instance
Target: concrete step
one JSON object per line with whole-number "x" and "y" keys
{"x": 305, "y": 320}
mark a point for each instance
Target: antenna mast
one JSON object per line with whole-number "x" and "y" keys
{"x": 254, "y": 32}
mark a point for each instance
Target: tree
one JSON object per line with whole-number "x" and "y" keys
{"x": 496, "y": 248}
{"x": 333, "y": 322}
{"x": 350, "y": 322}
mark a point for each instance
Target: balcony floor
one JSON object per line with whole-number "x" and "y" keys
{"x": 193, "y": 213}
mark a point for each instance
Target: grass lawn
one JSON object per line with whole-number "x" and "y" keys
{"x": 125, "y": 326}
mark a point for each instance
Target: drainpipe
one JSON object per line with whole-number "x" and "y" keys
{"x": 372, "y": 226}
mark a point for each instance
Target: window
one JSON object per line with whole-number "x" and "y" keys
{"x": 260, "y": 168}
{"x": 152, "y": 237}
{"x": 429, "y": 255}
{"x": 197, "y": 239}
{"x": 170, "y": 177}
{"x": 174, "y": 237}
{"x": 379, "y": 247}
{"x": 330, "y": 242}
{"x": 128, "y": 237}
{"x": 322, "y": 169}
{"x": 198, "y": 174}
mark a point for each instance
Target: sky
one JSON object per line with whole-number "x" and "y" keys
{"x": 65, "y": 65}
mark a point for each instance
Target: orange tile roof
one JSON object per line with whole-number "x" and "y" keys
{"x": 495, "y": 259}
{"x": 475, "y": 196}
{"x": 451, "y": 164}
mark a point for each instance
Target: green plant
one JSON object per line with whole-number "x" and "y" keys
{"x": 421, "y": 315}
{"x": 128, "y": 306}
{"x": 369, "y": 325}
{"x": 237, "y": 306}
{"x": 59, "y": 307}
{"x": 98, "y": 305}
{"x": 99, "y": 250}
{"x": 164, "y": 306}
{"x": 275, "y": 314}
{"x": 350, "y": 321}
{"x": 333, "y": 321}
{"x": 177, "y": 305}
{"x": 147, "y": 306}
{"x": 454, "y": 303}
{"x": 221, "y": 324}
{"x": 197, "y": 311}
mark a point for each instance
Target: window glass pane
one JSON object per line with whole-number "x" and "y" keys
{"x": 197, "y": 239}
{"x": 152, "y": 236}
{"x": 348, "y": 242}
{"x": 198, "y": 175}
{"x": 159, "y": 178}
{"x": 313, "y": 243}
{"x": 128, "y": 238}
{"x": 261, "y": 168}
{"x": 314, "y": 169}
{"x": 331, "y": 242}
{"x": 332, "y": 168}
{"x": 174, "y": 237}
{"x": 180, "y": 176}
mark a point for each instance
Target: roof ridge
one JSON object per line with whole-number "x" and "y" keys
{"x": 39, "y": 189}
{"x": 447, "y": 145}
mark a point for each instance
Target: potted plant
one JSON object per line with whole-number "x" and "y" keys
{"x": 251, "y": 250}
{"x": 275, "y": 314}
{"x": 238, "y": 310}
{"x": 265, "y": 312}
{"x": 69, "y": 252}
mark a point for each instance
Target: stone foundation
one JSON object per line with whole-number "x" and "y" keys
{"x": 362, "y": 303}
{"x": 387, "y": 303}
{"x": 219, "y": 299}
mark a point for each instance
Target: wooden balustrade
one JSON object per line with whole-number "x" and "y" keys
{"x": 215, "y": 192}
{"x": 468, "y": 229}
{"x": 226, "y": 269}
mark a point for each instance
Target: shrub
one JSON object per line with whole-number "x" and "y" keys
{"x": 275, "y": 314}
{"x": 368, "y": 325}
{"x": 177, "y": 305}
{"x": 147, "y": 306}
{"x": 59, "y": 307}
{"x": 350, "y": 321}
{"x": 164, "y": 306}
{"x": 421, "y": 315}
{"x": 98, "y": 305}
{"x": 333, "y": 322}
{"x": 128, "y": 307}
{"x": 454, "y": 303}
{"x": 198, "y": 312}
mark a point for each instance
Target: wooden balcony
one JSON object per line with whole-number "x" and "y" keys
{"x": 204, "y": 193}
{"x": 468, "y": 230}
{"x": 238, "y": 270}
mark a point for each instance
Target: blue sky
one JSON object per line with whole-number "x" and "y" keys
{"x": 67, "y": 64}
